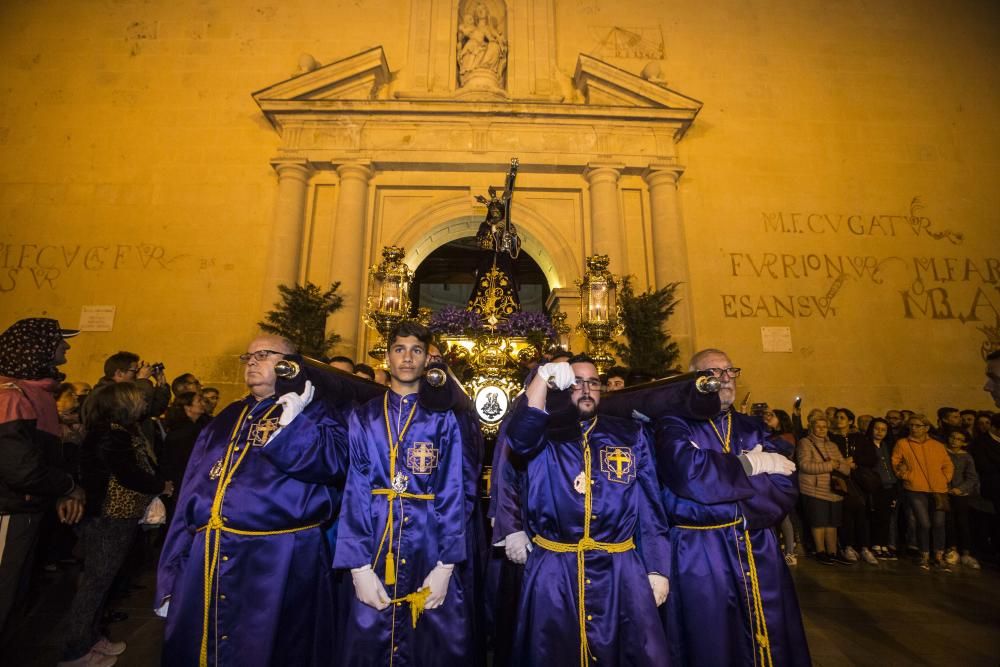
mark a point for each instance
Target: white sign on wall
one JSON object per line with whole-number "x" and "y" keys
{"x": 776, "y": 339}
{"x": 97, "y": 318}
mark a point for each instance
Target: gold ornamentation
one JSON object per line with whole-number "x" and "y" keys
{"x": 494, "y": 296}
{"x": 261, "y": 432}
{"x": 618, "y": 464}
{"x": 422, "y": 458}
{"x": 580, "y": 483}
{"x": 216, "y": 470}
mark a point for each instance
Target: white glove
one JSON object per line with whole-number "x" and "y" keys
{"x": 560, "y": 374}
{"x": 517, "y": 545}
{"x": 162, "y": 611}
{"x": 660, "y": 586}
{"x": 293, "y": 404}
{"x": 369, "y": 589}
{"x": 437, "y": 581}
{"x": 766, "y": 462}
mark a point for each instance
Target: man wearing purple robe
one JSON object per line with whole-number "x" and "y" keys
{"x": 596, "y": 573}
{"x": 725, "y": 485}
{"x": 245, "y": 576}
{"x": 402, "y": 531}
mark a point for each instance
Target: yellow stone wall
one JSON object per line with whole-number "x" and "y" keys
{"x": 860, "y": 135}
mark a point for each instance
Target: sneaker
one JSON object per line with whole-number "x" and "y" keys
{"x": 951, "y": 557}
{"x": 108, "y": 647}
{"x": 942, "y": 566}
{"x": 925, "y": 563}
{"x": 890, "y": 554}
{"x": 840, "y": 560}
{"x": 868, "y": 557}
{"x": 850, "y": 554}
{"x": 92, "y": 659}
{"x": 824, "y": 559}
{"x": 791, "y": 559}
{"x": 970, "y": 562}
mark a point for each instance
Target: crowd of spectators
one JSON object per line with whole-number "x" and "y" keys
{"x": 878, "y": 488}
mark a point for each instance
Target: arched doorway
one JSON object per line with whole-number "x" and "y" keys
{"x": 446, "y": 277}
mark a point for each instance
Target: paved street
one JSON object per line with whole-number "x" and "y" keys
{"x": 894, "y": 614}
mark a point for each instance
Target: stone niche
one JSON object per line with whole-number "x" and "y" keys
{"x": 371, "y": 156}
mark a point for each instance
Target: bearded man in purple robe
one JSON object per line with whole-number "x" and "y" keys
{"x": 596, "y": 571}
{"x": 725, "y": 484}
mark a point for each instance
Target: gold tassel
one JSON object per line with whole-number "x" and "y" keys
{"x": 417, "y": 602}
{"x": 390, "y": 569}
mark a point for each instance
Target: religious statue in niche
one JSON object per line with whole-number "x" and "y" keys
{"x": 482, "y": 45}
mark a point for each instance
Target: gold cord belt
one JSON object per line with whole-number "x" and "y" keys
{"x": 215, "y": 527}
{"x": 581, "y": 548}
{"x": 760, "y": 635}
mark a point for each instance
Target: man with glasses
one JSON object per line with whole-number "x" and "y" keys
{"x": 245, "y": 575}
{"x": 591, "y": 585}
{"x": 725, "y": 485}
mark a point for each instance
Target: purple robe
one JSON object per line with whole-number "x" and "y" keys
{"x": 709, "y": 614}
{"x": 504, "y": 577}
{"x": 622, "y": 625}
{"x": 272, "y": 598}
{"x": 431, "y": 457}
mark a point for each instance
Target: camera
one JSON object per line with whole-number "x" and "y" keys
{"x": 156, "y": 368}
{"x": 758, "y": 409}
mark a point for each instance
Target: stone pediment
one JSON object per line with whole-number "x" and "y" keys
{"x": 603, "y": 84}
{"x": 357, "y": 77}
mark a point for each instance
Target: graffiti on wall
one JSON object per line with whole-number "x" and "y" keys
{"x": 41, "y": 266}
{"x": 948, "y": 284}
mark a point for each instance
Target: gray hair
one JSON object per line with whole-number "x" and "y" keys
{"x": 698, "y": 356}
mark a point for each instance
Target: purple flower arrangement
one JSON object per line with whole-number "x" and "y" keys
{"x": 455, "y": 321}
{"x": 528, "y": 324}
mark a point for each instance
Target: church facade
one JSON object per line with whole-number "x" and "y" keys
{"x": 818, "y": 179}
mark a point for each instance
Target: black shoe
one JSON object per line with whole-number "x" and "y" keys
{"x": 824, "y": 559}
{"x": 840, "y": 560}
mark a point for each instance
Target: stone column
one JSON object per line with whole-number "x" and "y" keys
{"x": 607, "y": 235}
{"x": 670, "y": 257}
{"x": 347, "y": 258}
{"x": 284, "y": 252}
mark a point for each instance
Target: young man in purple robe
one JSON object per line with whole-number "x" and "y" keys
{"x": 402, "y": 531}
{"x": 245, "y": 575}
{"x": 597, "y": 570}
{"x": 725, "y": 486}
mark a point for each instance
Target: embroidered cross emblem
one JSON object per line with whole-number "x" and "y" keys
{"x": 422, "y": 458}
{"x": 261, "y": 432}
{"x": 618, "y": 464}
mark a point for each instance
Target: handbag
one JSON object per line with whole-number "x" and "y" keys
{"x": 942, "y": 502}
{"x": 121, "y": 502}
{"x": 839, "y": 483}
{"x": 842, "y": 485}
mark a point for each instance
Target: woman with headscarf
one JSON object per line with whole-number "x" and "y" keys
{"x": 31, "y": 478}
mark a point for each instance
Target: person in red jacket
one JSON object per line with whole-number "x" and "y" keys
{"x": 31, "y": 477}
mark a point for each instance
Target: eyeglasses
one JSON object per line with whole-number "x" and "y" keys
{"x": 918, "y": 425}
{"x": 731, "y": 372}
{"x": 593, "y": 384}
{"x": 131, "y": 370}
{"x": 259, "y": 355}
